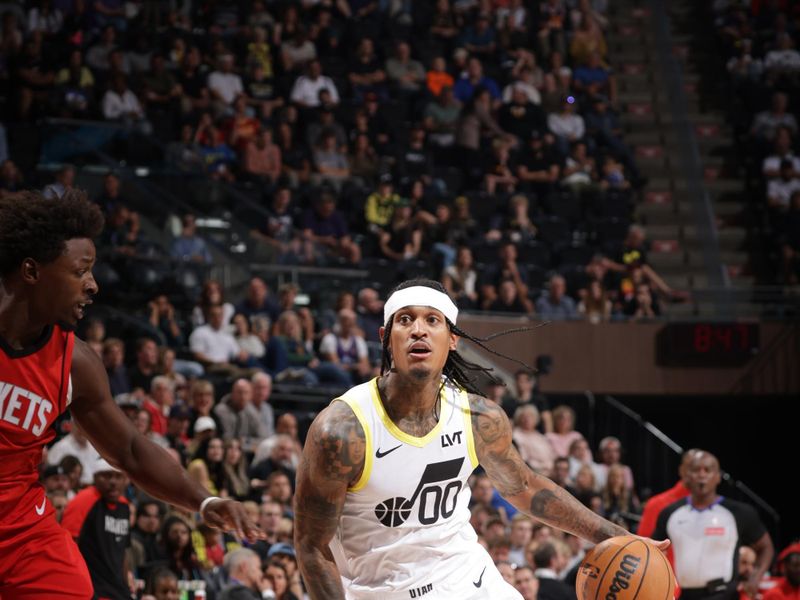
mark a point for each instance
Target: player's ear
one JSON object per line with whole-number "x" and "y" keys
{"x": 381, "y": 331}
{"x": 454, "y": 341}
{"x": 29, "y": 269}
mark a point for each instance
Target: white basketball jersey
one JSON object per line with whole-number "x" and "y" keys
{"x": 404, "y": 530}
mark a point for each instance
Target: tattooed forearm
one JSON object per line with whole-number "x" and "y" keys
{"x": 558, "y": 508}
{"x": 525, "y": 489}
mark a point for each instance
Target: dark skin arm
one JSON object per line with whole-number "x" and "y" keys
{"x": 333, "y": 458}
{"x": 149, "y": 466}
{"x": 531, "y": 493}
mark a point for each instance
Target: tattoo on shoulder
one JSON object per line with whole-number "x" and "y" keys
{"x": 340, "y": 443}
{"x": 488, "y": 420}
{"x": 506, "y": 469}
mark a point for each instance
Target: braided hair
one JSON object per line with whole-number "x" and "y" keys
{"x": 457, "y": 369}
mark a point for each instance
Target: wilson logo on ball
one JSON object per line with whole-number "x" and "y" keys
{"x": 623, "y": 576}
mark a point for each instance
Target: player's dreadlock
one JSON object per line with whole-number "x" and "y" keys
{"x": 457, "y": 369}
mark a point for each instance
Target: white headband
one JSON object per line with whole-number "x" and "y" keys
{"x": 420, "y": 295}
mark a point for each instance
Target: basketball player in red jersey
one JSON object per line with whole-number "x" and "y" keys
{"x": 46, "y": 259}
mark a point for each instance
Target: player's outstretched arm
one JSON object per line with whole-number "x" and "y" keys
{"x": 528, "y": 491}
{"x": 148, "y": 465}
{"x": 333, "y": 459}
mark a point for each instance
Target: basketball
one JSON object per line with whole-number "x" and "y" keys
{"x": 625, "y": 568}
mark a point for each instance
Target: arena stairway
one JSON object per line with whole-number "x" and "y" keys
{"x": 667, "y": 208}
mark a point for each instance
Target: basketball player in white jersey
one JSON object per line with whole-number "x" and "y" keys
{"x": 381, "y": 508}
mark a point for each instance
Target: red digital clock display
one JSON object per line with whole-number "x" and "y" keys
{"x": 707, "y": 344}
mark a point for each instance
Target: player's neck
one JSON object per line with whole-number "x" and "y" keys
{"x": 17, "y": 327}
{"x": 406, "y": 396}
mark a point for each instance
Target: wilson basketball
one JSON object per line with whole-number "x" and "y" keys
{"x": 625, "y": 568}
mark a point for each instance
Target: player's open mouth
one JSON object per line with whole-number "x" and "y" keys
{"x": 420, "y": 350}
{"x": 80, "y": 308}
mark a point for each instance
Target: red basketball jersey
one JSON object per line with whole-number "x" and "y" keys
{"x": 35, "y": 388}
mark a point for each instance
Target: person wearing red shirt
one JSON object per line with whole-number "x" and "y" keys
{"x": 788, "y": 588}
{"x": 655, "y": 504}
{"x": 46, "y": 283}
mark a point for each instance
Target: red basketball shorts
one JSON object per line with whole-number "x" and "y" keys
{"x": 38, "y": 558}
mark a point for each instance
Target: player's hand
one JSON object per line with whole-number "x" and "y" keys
{"x": 661, "y": 545}
{"x": 229, "y": 515}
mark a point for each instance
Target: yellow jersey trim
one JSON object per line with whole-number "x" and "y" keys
{"x": 473, "y": 455}
{"x": 401, "y": 435}
{"x": 367, "y": 470}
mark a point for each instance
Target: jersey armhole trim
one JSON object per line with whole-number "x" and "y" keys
{"x": 473, "y": 455}
{"x": 367, "y": 470}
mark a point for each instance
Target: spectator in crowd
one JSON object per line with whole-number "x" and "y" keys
{"x": 556, "y": 304}
{"x": 306, "y": 90}
{"x": 620, "y": 503}
{"x": 366, "y": 73}
{"x": 216, "y": 349}
{"x": 704, "y": 552}
{"x": 595, "y": 79}
{"x": 190, "y": 247}
{"x": 144, "y": 534}
{"x": 75, "y": 444}
{"x": 404, "y": 73}
{"x": 258, "y": 301}
{"x": 162, "y": 584}
{"x": 122, "y": 105}
{"x": 237, "y": 482}
{"x": 474, "y": 79}
{"x": 563, "y": 433}
{"x": 262, "y": 157}
{"x": 238, "y": 416}
{"x": 580, "y": 455}
{"x": 595, "y": 305}
{"x": 224, "y": 85}
{"x": 526, "y": 583}
{"x": 64, "y": 180}
{"x": 534, "y": 448}
{"x": 508, "y": 268}
{"x": 142, "y": 373}
{"x": 610, "y": 450}
{"x": 547, "y": 563}
{"x": 114, "y": 362}
{"x": 178, "y": 550}
{"x": 330, "y": 161}
{"x": 162, "y": 316}
{"x": 98, "y": 518}
{"x": 262, "y": 390}
{"x": 325, "y": 232}
{"x": 460, "y": 279}
{"x": 159, "y": 402}
{"x": 346, "y": 348}
{"x": 789, "y": 585}
{"x": 245, "y": 577}
{"x": 525, "y": 392}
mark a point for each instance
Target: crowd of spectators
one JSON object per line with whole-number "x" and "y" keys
{"x": 759, "y": 44}
{"x": 396, "y": 136}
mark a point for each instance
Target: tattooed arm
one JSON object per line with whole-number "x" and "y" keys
{"x": 333, "y": 458}
{"x": 528, "y": 491}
